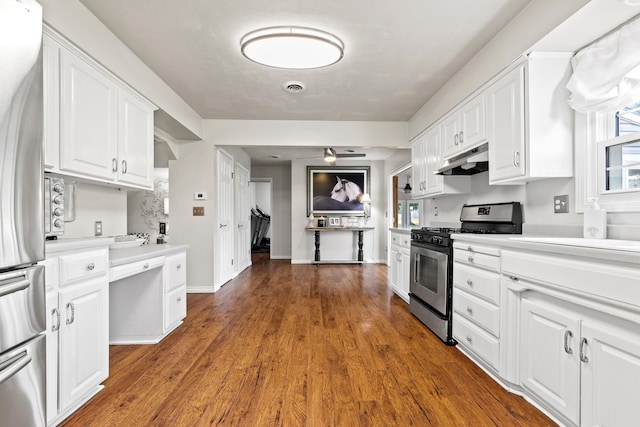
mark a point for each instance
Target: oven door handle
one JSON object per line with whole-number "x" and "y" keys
{"x": 415, "y": 268}
{"x": 13, "y": 366}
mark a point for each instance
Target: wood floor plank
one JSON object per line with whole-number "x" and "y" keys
{"x": 301, "y": 345}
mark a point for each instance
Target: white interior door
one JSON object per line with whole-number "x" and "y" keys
{"x": 225, "y": 245}
{"x": 243, "y": 219}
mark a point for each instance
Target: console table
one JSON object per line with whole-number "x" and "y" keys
{"x": 318, "y": 230}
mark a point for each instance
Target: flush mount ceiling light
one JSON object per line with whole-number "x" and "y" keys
{"x": 292, "y": 47}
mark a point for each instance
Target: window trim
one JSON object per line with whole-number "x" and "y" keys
{"x": 592, "y": 134}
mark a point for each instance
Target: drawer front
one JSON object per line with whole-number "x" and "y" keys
{"x": 83, "y": 265}
{"x": 401, "y": 239}
{"x": 175, "y": 307}
{"x": 474, "y": 247}
{"x": 132, "y": 268}
{"x": 176, "y": 271}
{"x": 480, "y": 312}
{"x": 481, "y": 283}
{"x": 477, "y": 259}
{"x": 470, "y": 336}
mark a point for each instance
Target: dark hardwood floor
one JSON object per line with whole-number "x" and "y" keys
{"x": 301, "y": 345}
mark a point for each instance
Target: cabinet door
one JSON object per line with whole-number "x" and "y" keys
{"x": 53, "y": 326}
{"x": 472, "y": 123}
{"x": 549, "y": 359}
{"x": 84, "y": 339}
{"x": 433, "y": 183}
{"x": 406, "y": 271}
{"x": 88, "y": 110}
{"x": 393, "y": 268}
{"x": 418, "y": 165}
{"x": 505, "y": 131}
{"x": 135, "y": 140}
{"x": 450, "y": 135}
{"x": 51, "y": 97}
{"x": 610, "y": 376}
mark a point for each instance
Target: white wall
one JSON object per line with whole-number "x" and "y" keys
{"x": 194, "y": 172}
{"x": 306, "y": 133}
{"x": 337, "y": 245}
{"x": 98, "y": 203}
{"x": 281, "y": 209}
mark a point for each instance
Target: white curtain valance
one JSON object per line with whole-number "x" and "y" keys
{"x": 606, "y": 74}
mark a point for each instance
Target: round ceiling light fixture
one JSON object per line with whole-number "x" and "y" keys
{"x": 292, "y": 47}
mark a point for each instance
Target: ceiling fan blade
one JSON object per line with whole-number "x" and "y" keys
{"x": 342, "y": 155}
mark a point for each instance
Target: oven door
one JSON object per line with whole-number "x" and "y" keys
{"x": 429, "y": 275}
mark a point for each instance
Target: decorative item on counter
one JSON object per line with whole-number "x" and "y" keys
{"x": 311, "y": 220}
{"x": 322, "y": 222}
{"x": 366, "y": 201}
{"x": 595, "y": 221}
{"x": 144, "y": 236}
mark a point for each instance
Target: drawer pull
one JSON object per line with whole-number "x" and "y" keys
{"x": 583, "y": 344}
{"x": 470, "y": 282}
{"x": 469, "y": 340}
{"x": 470, "y": 258}
{"x": 470, "y": 311}
{"x": 469, "y": 248}
{"x": 179, "y": 266}
{"x": 71, "y": 307}
{"x": 179, "y": 299}
{"x": 567, "y": 335}
{"x": 91, "y": 266}
{"x": 55, "y": 312}
{"x": 145, "y": 266}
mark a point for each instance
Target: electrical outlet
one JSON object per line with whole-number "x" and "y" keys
{"x": 97, "y": 228}
{"x": 198, "y": 211}
{"x": 561, "y": 204}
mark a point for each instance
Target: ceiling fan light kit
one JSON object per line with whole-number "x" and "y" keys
{"x": 292, "y": 47}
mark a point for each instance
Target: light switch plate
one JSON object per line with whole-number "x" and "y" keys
{"x": 198, "y": 211}
{"x": 561, "y": 204}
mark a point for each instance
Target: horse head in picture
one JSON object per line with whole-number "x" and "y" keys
{"x": 346, "y": 191}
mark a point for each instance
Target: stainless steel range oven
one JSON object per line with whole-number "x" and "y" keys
{"x": 431, "y": 279}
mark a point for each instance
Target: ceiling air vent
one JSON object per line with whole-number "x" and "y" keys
{"x": 294, "y": 87}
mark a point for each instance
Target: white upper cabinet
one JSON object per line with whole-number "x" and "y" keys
{"x": 529, "y": 123}
{"x": 465, "y": 128}
{"x": 88, "y": 119}
{"x": 426, "y": 156}
{"x": 96, "y": 127}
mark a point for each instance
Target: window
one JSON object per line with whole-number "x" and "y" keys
{"x": 408, "y": 213}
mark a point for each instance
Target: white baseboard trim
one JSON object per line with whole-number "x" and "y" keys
{"x": 201, "y": 290}
{"x": 280, "y": 257}
{"x": 337, "y": 262}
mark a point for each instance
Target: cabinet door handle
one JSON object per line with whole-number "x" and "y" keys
{"x": 223, "y": 225}
{"x": 114, "y": 165}
{"x": 71, "y": 306}
{"x": 469, "y": 340}
{"x": 583, "y": 344}
{"x": 461, "y": 139}
{"x": 56, "y": 326}
{"x": 178, "y": 267}
{"x": 516, "y": 158}
{"x": 567, "y": 335}
{"x": 124, "y": 166}
{"x": 179, "y": 299}
{"x": 470, "y": 311}
{"x": 455, "y": 139}
{"x": 91, "y": 266}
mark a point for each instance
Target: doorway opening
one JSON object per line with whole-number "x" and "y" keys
{"x": 261, "y": 210}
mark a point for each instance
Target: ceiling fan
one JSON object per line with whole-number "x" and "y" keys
{"x": 330, "y": 155}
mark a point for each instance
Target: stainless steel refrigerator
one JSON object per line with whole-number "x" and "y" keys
{"x": 22, "y": 288}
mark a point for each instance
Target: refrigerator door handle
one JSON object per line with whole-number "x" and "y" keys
{"x": 13, "y": 366}
{"x": 12, "y": 285}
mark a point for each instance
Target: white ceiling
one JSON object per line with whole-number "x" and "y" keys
{"x": 397, "y": 55}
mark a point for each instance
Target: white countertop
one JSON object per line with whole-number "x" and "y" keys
{"x": 400, "y": 230}
{"x": 138, "y": 253}
{"x": 506, "y": 241}
{"x": 65, "y": 244}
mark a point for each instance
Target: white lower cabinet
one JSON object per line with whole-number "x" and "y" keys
{"x": 175, "y": 300}
{"x": 77, "y": 328}
{"x": 562, "y": 330}
{"x": 84, "y": 339}
{"x": 400, "y": 264}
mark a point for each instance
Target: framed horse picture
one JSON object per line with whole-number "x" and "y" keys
{"x": 336, "y": 190}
